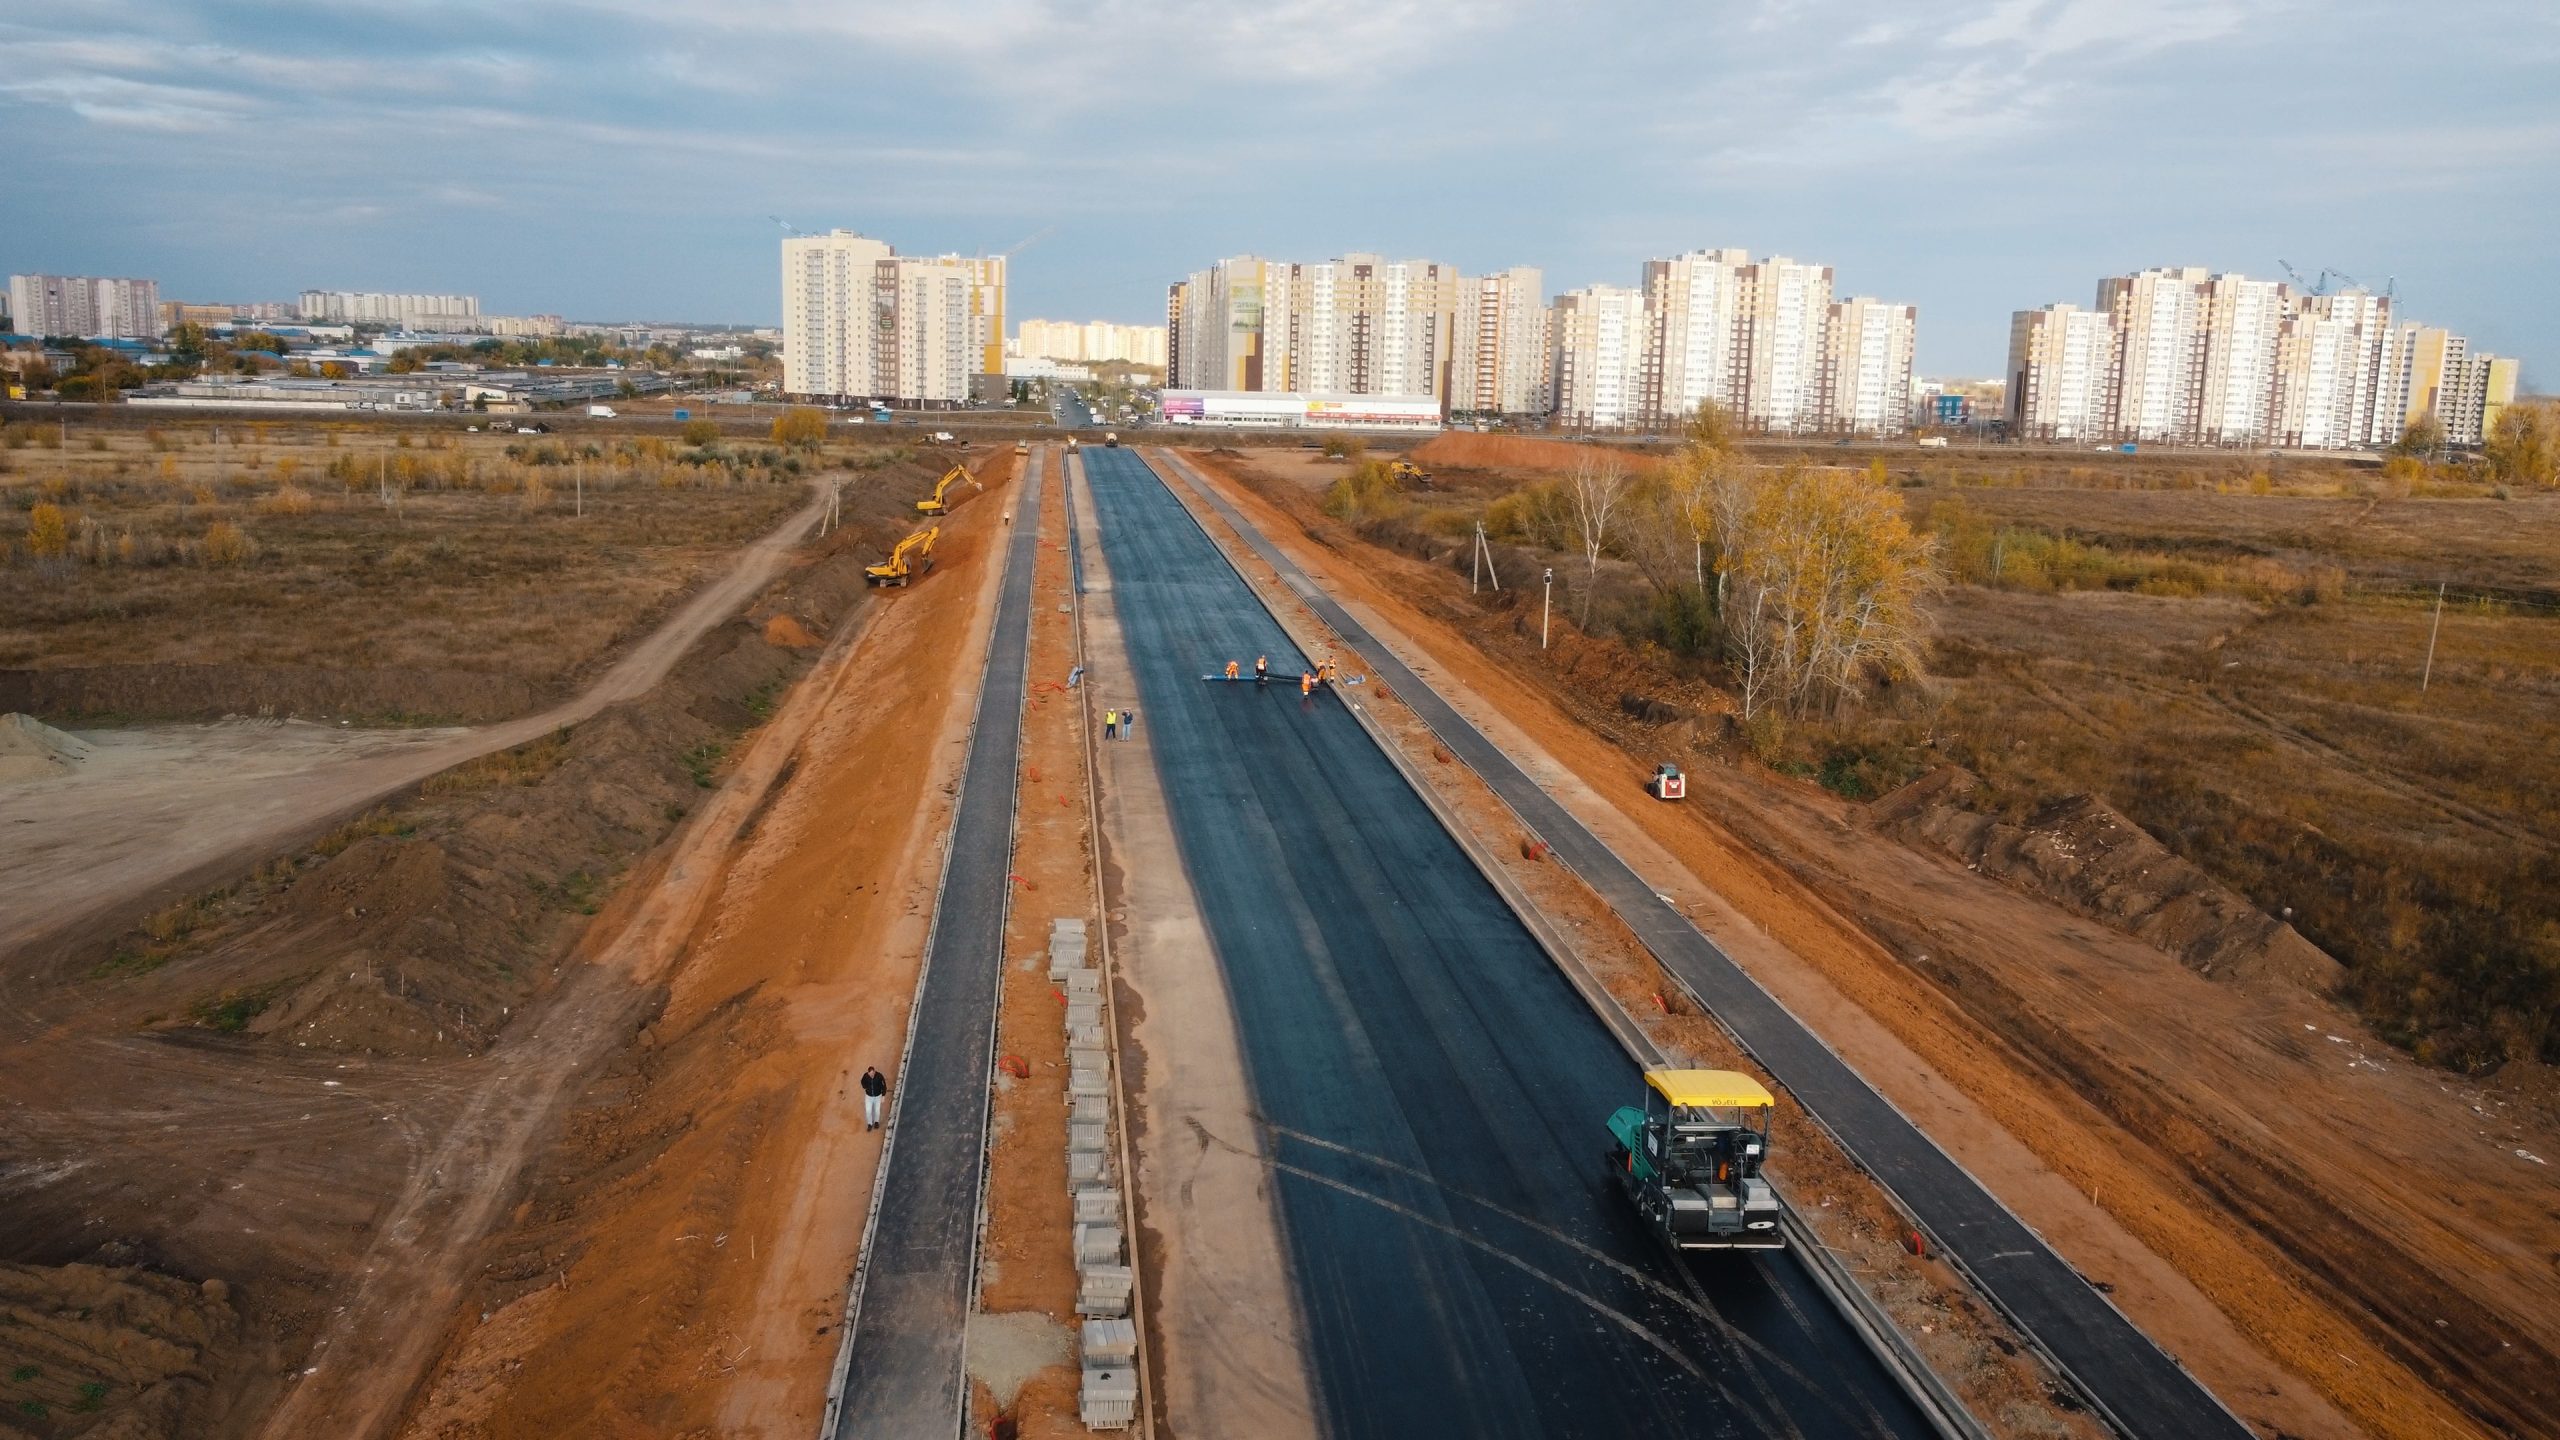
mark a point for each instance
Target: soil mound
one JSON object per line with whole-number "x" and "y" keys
{"x": 108, "y": 1350}
{"x": 789, "y": 633}
{"x": 1470, "y": 450}
{"x": 33, "y": 750}
{"x": 2082, "y": 854}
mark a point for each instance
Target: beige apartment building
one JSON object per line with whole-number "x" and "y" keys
{"x": 1357, "y": 325}
{"x": 1604, "y": 339}
{"x": 860, "y": 321}
{"x": 2206, "y": 359}
{"x": 1503, "y": 345}
{"x": 1866, "y": 367}
{"x": 1089, "y": 341}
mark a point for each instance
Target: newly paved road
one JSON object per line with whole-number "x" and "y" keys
{"x": 2134, "y": 1382}
{"x": 903, "y": 1365}
{"x": 1434, "y": 1088}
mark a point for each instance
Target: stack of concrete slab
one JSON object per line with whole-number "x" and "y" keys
{"x": 1109, "y": 1400}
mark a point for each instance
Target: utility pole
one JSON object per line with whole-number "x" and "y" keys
{"x": 1546, "y": 607}
{"x": 1475, "y": 581}
{"x": 2432, "y": 630}
{"x": 580, "y": 471}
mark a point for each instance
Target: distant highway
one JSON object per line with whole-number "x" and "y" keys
{"x": 1434, "y": 1089}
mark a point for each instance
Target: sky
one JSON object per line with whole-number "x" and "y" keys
{"x": 635, "y": 159}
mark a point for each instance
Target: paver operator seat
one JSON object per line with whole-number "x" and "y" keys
{"x": 1690, "y": 1156}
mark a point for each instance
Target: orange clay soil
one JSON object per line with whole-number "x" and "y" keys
{"x": 678, "y": 1266}
{"x": 2232, "y": 1284}
{"x": 1024, "y": 1264}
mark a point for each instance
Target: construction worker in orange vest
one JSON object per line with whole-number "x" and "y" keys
{"x": 1231, "y": 669}
{"x": 1261, "y": 669}
{"x": 1306, "y": 683}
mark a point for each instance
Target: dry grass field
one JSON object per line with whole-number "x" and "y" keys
{"x": 353, "y": 547}
{"x": 2231, "y": 650}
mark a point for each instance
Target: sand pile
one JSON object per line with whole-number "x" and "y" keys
{"x": 32, "y": 750}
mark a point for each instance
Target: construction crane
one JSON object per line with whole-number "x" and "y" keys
{"x": 933, "y": 504}
{"x": 913, "y": 554}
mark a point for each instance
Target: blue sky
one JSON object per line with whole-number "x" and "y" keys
{"x": 612, "y": 159}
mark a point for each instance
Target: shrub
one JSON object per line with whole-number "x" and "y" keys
{"x": 224, "y": 544}
{"x": 291, "y": 500}
{"x": 707, "y": 432}
{"x": 801, "y": 425}
{"x": 48, "y": 531}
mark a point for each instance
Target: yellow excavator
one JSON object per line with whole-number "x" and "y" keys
{"x": 913, "y": 554}
{"x": 1408, "y": 473}
{"x": 933, "y": 505}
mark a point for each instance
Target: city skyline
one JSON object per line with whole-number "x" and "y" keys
{"x": 606, "y": 160}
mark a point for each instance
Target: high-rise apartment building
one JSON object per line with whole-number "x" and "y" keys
{"x": 985, "y": 275}
{"x": 452, "y": 313}
{"x": 1090, "y": 340}
{"x": 1785, "y": 307}
{"x": 2242, "y": 320}
{"x": 1866, "y": 367}
{"x": 2205, "y": 359}
{"x": 2158, "y": 316}
{"x": 89, "y": 306}
{"x": 1503, "y": 348}
{"x": 832, "y": 313}
{"x": 1700, "y": 342}
{"x": 2061, "y": 380}
{"x": 861, "y": 321}
{"x": 2337, "y": 379}
{"x": 1603, "y": 342}
{"x": 1358, "y": 325}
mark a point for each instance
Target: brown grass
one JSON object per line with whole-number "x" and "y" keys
{"x": 338, "y": 546}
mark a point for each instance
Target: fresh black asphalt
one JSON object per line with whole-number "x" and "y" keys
{"x": 2133, "y": 1382}
{"x": 1434, "y": 1090}
{"x": 904, "y": 1365}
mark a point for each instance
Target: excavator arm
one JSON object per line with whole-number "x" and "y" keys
{"x": 911, "y": 554}
{"x": 957, "y": 473}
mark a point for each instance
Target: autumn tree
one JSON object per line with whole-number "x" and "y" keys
{"x": 1826, "y": 582}
{"x": 2420, "y": 438}
{"x": 1598, "y": 487}
{"x": 2523, "y": 448}
{"x": 703, "y": 432}
{"x": 801, "y": 425}
{"x": 405, "y": 363}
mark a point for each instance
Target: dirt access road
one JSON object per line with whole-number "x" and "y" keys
{"x": 677, "y": 1261}
{"x": 161, "y": 812}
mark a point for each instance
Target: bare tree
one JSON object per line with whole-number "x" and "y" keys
{"x": 1599, "y": 483}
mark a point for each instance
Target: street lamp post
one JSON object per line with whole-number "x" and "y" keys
{"x": 1546, "y": 607}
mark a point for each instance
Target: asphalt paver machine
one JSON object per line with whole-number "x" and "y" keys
{"x": 1689, "y": 1159}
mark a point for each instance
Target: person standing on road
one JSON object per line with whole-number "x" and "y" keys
{"x": 1261, "y": 669}
{"x": 1110, "y": 724}
{"x": 1232, "y": 670}
{"x": 1128, "y": 722}
{"x": 875, "y": 1089}
{"x": 1306, "y": 683}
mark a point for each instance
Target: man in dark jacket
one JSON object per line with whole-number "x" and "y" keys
{"x": 875, "y": 1089}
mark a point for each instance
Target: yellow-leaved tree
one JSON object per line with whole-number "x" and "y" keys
{"x": 1823, "y": 583}
{"x": 801, "y": 425}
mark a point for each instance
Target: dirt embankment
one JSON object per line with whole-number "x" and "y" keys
{"x": 2249, "y": 1136}
{"x": 265, "y": 1068}
{"x": 1519, "y": 454}
{"x": 677, "y": 1263}
{"x": 2079, "y": 853}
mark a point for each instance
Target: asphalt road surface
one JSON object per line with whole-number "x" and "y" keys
{"x": 903, "y": 1372}
{"x": 2134, "y": 1382}
{"x": 1435, "y": 1091}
